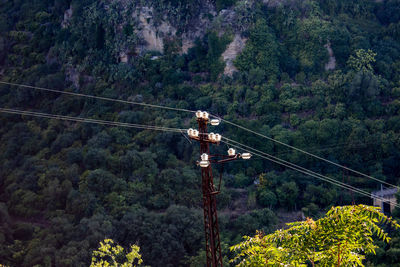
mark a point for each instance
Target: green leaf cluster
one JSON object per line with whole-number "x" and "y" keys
{"x": 342, "y": 238}
{"x": 113, "y": 255}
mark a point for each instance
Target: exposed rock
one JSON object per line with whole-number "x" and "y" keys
{"x": 154, "y": 31}
{"x": 331, "y": 65}
{"x": 186, "y": 45}
{"x": 153, "y": 36}
{"x": 67, "y": 17}
{"x": 230, "y": 54}
{"x": 123, "y": 57}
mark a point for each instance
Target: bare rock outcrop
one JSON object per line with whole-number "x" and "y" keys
{"x": 331, "y": 65}
{"x": 230, "y": 54}
{"x": 67, "y": 18}
{"x": 153, "y": 36}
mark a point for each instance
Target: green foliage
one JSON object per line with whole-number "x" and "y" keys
{"x": 263, "y": 219}
{"x": 313, "y": 34}
{"x": 207, "y": 55}
{"x": 260, "y": 56}
{"x": 362, "y": 60}
{"x": 340, "y": 238}
{"x": 65, "y": 185}
{"x": 287, "y": 194}
{"x": 267, "y": 198}
{"x": 242, "y": 180}
{"x": 111, "y": 254}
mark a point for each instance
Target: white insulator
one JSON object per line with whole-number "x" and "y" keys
{"x": 215, "y": 122}
{"x": 205, "y": 115}
{"x": 246, "y": 155}
{"x": 204, "y": 156}
{"x": 204, "y": 163}
{"x": 211, "y": 136}
{"x": 199, "y": 114}
{"x": 190, "y": 132}
{"x": 195, "y": 133}
{"x": 218, "y": 137}
{"x": 231, "y": 152}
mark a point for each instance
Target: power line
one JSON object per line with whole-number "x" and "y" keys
{"x": 97, "y": 97}
{"x": 88, "y": 120}
{"x": 305, "y": 152}
{"x": 331, "y": 147}
{"x": 228, "y": 141}
{"x": 276, "y": 158}
{"x": 302, "y": 169}
{"x": 191, "y": 111}
{"x": 305, "y": 171}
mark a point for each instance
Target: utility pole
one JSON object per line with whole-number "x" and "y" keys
{"x": 213, "y": 243}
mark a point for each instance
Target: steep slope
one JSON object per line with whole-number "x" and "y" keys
{"x": 266, "y": 65}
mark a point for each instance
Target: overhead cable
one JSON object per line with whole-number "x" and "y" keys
{"x": 97, "y": 97}
{"x": 331, "y": 147}
{"x": 191, "y": 111}
{"x": 226, "y": 140}
{"x": 308, "y": 153}
{"x": 88, "y": 120}
{"x": 302, "y": 169}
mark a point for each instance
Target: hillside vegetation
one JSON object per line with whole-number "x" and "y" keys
{"x": 319, "y": 75}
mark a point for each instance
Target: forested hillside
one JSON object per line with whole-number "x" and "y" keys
{"x": 320, "y": 75}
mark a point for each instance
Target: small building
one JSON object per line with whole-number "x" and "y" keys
{"x": 387, "y": 194}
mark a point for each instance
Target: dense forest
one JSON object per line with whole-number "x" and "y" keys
{"x": 320, "y": 75}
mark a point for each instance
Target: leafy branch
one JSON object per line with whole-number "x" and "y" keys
{"x": 342, "y": 237}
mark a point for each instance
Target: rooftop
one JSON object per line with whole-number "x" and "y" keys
{"x": 385, "y": 192}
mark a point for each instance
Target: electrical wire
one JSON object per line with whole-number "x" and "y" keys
{"x": 269, "y": 155}
{"x": 305, "y": 152}
{"x": 97, "y": 97}
{"x": 88, "y": 120}
{"x": 304, "y": 170}
{"x": 332, "y": 147}
{"x": 301, "y": 169}
{"x": 191, "y": 111}
{"x": 177, "y": 130}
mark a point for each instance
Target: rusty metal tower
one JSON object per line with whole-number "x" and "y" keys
{"x": 213, "y": 243}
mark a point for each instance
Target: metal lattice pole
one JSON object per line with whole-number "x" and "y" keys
{"x": 211, "y": 230}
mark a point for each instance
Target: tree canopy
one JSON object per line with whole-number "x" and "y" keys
{"x": 342, "y": 238}
{"x": 320, "y": 75}
{"x": 113, "y": 255}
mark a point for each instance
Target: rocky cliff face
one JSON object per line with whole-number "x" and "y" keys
{"x": 154, "y": 24}
{"x": 230, "y": 54}
{"x": 152, "y": 35}
{"x": 331, "y": 65}
{"x": 153, "y": 31}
